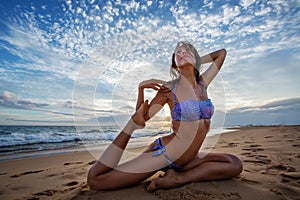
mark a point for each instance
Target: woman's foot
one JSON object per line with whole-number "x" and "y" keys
{"x": 170, "y": 180}
{"x": 139, "y": 116}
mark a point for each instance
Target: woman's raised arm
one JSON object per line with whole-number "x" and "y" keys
{"x": 154, "y": 84}
{"x": 157, "y": 102}
{"x": 217, "y": 58}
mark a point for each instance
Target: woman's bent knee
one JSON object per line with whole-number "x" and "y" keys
{"x": 236, "y": 164}
{"x": 91, "y": 182}
{"x": 94, "y": 182}
{"x": 92, "y": 185}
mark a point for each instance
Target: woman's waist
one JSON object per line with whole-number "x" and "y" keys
{"x": 192, "y": 127}
{"x": 182, "y": 146}
{"x": 187, "y": 134}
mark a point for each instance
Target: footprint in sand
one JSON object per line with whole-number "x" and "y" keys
{"x": 282, "y": 168}
{"x": 253, "y": 148}
{"x": 248, "y": 154}
{"x": 259, "y": 161}
{"x": 291, "y": 175}
{"x": 262, "y": 156}
{"x": 269, "y": 136}
{"x": 243, "y": 179}
{"x": 248, "y": 142}
{"x": 284, "y": 180}
{"x": 255, "y": 145}
{"x": 46, "y": 193}
{"x": 188, "y": 192}
{"x": 73, "y": 163}
{"x": 229, "y": 145}
{"x": 72, "y": 183}
{"x": 26, "y": 173}
{"x": 51, "y": 175}
{"x": 92, "y": 162}
{"x": 286, "y": 191}
{"x": 52, "y": 192}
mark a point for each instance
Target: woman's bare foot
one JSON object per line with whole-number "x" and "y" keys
{"x": 170, "y": 180}
{"x": 139, "y": 116}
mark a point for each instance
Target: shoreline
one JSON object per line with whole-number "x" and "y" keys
{"x": 82, "y": 148}
{"x": 270, "y": 156}
{"x": 102, "y": 146}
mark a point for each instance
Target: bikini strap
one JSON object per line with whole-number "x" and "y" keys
{"x": 159, "y": 148}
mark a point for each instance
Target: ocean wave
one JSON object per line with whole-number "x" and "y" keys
{"x": 37, "y": 135}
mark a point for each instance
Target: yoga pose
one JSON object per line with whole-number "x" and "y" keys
{"x": 177, "y": 153}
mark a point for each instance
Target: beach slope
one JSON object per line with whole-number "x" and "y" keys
{"x": 271, "y": 158}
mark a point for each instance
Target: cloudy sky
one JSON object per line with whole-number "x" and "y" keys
{"x": 65, "y": 62}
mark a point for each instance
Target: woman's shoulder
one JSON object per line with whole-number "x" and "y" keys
{"x": 172, "y": 83}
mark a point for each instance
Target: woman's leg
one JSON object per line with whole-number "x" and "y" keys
{"x": 107, "y": 174}
{"x": 214, "y": 166}
{"x": 126, "y": 174}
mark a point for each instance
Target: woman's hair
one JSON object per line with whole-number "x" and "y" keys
{"x": 197, "y": 68}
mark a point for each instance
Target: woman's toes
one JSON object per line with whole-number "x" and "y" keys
{"x": 152, "y": 186}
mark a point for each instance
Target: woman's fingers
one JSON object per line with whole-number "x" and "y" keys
{"x": 152, "y": 83}
{"x": 154, "y": 86}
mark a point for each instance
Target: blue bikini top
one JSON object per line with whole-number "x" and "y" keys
{"x": 191, "y": 110}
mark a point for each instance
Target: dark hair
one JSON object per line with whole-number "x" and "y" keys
{"x": 197, "y": 68}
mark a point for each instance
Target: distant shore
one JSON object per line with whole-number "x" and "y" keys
{"x": 270, "y": 155}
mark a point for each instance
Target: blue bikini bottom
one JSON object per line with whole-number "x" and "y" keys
{"x": 160, "y": 149}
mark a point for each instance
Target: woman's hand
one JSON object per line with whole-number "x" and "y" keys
{"x": 154, "y": 84}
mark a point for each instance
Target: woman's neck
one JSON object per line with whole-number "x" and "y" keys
{"x": 188, "y": 77}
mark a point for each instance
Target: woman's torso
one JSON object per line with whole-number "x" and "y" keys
{"x": 189, "y": 134}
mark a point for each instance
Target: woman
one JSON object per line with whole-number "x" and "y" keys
{"x": 177, "y": 153}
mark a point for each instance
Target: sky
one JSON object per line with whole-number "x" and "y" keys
{"x": 80, "y": 62}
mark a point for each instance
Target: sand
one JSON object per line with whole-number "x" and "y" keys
{"x": 270, "y": 156}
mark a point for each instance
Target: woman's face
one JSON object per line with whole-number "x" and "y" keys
{"x": 184, "y": 56}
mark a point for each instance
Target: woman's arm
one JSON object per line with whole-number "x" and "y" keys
{"x": 112, "y": 155}
{"x": 217, "y": 58}
{"x": 154, "y": 84}
{"x": 157, "y": 102}
{"x": 156, "y": 105}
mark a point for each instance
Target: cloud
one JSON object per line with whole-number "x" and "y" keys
{"x": 230, "y": 13}
{"x": 7, "y": 96}
{"x": 265, "y": 78}
{"x": 101, "y": 47}
{"x": 287, "y": 104}
{"x": 247, "y": 3}
{"x": 54, "y": 48}
{"x": 9, "y": 100}
{"x": 286, "y": 111}
{"x": 34, "y": 53}
{"x": 41, "y": 121}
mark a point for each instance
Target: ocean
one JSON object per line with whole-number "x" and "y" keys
{"x": 23, "y": 139}
{"x": 38, "y": 139}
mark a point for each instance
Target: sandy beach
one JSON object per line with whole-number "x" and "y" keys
{"x": 270, "y": 155}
